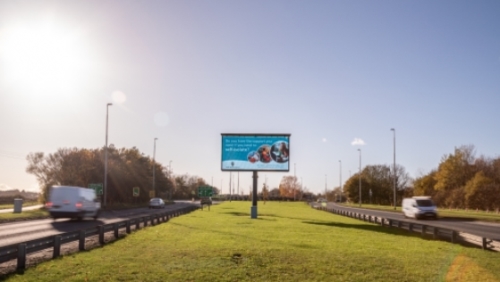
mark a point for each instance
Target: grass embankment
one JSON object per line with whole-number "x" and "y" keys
{"x": 25, "y": 215}
{"x": 11, "y": 206}
{"x": 444, "y": 213}
{"x": 288, "y": 242}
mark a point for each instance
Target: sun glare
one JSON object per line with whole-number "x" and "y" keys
{"x": 42, "y": 58}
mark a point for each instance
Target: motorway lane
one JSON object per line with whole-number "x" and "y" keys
{"x": 483, "y": 229}
{"x": 21, "y": 231}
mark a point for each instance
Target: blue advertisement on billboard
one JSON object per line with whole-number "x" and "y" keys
{"x": 259, "y": 152}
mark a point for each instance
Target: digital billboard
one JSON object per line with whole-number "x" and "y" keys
{"x": 255, "y": 152}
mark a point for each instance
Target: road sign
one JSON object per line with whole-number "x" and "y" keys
{"x": 97, "y": 188}
{"x": 151, "y": 193}
{"x": 205, "y": 191}
{"x": 135, "y": 191}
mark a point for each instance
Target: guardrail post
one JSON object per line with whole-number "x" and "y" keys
{"x": 101, "y": 234}
{"x": 399, "y": 224}
{"x": 435, "y": 232}
{"x": 81, "y": 240}
{"x": 21, "y": 256}
{"x": 382, "y": 221}
{"x": 115, "y": 229}
{"x": 453, "y": 236}
{"x": 484, "y": 244}
{"x": 410, "y": 227}
{"x": 57, "y": 246}
{"x": 145, "y": 221}
{"x": 424, "y": 227}
{"x": 127, "y": 226}
{"x": 390, "y": 222}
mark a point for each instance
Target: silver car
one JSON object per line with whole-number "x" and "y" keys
{"x": 156, "y": 203}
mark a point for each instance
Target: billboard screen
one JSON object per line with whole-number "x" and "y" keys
{"x": 259, "y": 152}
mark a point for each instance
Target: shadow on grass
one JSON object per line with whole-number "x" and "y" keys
{"x": 386, "y": 230}
{"x": 237, "y": 213}
{"x": 259, "y": 216}
{"x": 456, "y": 218}
{"x": 361, "y": 226}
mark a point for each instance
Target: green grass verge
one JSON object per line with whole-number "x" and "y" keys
{"x": 288, "y": 242}
{"x": 446, "y": 213}
{"x": 11, "y": 206}
{"x": 25, "y": 215}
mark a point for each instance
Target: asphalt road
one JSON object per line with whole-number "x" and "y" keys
{"x": 479, "y": 228}
{"x": 21, "y": 231}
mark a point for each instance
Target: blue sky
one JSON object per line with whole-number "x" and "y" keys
{"x": 326, "y": 72}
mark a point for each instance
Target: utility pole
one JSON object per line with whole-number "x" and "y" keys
{"x": 154, "y": 167}
{"x": 394, "y": 166}
{"x": 106, "y": 157}
{"x": 294, "y": 179}
{"x": 340, "y": 180}
{"x": 326, "y": 196}
{"x": 359, "y": 176}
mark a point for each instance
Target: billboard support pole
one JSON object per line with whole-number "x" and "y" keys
{"x": 253, "y": 209}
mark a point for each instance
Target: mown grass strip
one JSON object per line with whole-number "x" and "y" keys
{"x": 24, "y": 215}
{"x": 288, "y": 242}
{"x": 11, "y": 206}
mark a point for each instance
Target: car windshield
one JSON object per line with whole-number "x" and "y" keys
{"x": 425, "y": 203}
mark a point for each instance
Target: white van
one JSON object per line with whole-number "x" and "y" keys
{"x": 419, "y": 207}
{"x": 73, "y": 202}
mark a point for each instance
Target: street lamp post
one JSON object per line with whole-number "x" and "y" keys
{"x": 340, "y": 180}
{"x": 294, "y": 179}
{"x": 394, "y": 165}
{"x": 170, "y": 176}
{"x": 154, "y": 167}
{"x": 106, "y": 157}
{"x": 359, "y": 150}
{"x": 326, "y": 197}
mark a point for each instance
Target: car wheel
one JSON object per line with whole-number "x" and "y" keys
{"x": 96, "y": 215}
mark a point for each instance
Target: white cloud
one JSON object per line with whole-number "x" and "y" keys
{"x": 4, "y": 187}
{"x": 118, "y": 97}
{"x": 358, "y": 141}
{"x": 33, "y": 188}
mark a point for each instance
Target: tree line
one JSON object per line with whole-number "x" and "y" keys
{"x": 127, "y": 168}
{"x": 460, "y": 181}
{"x": 463, "y": 181}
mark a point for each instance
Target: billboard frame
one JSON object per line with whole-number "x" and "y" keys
{"x": 287, "y": 135}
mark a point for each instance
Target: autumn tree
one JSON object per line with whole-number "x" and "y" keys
{"x": 455, "y": 169}
{"x": 290, "y": 188}
{"x": 481, "y": 192}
